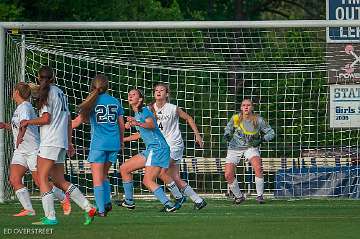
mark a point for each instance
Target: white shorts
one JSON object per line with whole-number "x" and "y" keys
{"x": 234, "y": 156}
{"x": 28, "y": 160}
{"x": 176, "y": 154}
{"x": 53, "y": 153}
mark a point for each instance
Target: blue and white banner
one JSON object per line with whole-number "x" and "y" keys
{"x": 345, "y": 106}
{"x": 343, "y": 10}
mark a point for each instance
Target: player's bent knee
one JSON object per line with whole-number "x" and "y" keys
{"x": 15, "y": 181}
{"x": 146, "y": 182}
{"x": 229, "y": 176}
{"x": 124, "y": 169}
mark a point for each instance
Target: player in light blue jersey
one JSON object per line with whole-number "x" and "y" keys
{"x": 155, "y": 157}
{"x": 105, "y": 114}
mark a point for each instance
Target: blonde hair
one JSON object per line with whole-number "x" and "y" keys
{"x": 238, "y": 118}
{"x": 98, "y": 86}
{"x": 23, "y": 89}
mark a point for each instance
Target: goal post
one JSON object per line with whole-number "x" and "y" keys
{"x": 210, "y": 66}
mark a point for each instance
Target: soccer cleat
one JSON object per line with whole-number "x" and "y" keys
{"x": 46, "y": 222}
{"x": 108, "y": 207}
{"x": 101, "y": 214}
{"x": 260, "y": 199}
{"x": 66, "y": 205}
{"x": 179, "y": 202}
{"x": 123, "y": 203}
{"x": 25, "y": 213}
{"x": 239, "y": 200}
{"x": 200, "y": 205}
{"x": 89, "y": 216}
{"x": 168, "y": 208}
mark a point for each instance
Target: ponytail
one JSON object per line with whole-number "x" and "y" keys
{"x": 46, "y": 77}
{"x": 98, "y": 86}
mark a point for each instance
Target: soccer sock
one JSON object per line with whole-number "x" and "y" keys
{"x": 159, "y": 194}
{"x": 174, "y": 190}
{"x": 234, "y": 187}
{"x": 24, "y": 198}
{"x": 58, "y": 193}
{"x": 129, "y": 193}
{"x": 99, "y": 198}
{"x": 107, "y": 191}
{"x": 47, "y": 200}
{"x": 188, "y": 191}
{"x": 259, "y": 182}
{"x": 77, "y": 196}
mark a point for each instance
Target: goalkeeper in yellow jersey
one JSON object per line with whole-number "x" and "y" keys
{"x": 244, "y": 133}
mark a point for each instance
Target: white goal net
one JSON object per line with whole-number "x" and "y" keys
{"x": 209, "y": 70}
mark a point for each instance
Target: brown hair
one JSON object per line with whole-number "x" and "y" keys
{"x": 151, "y": 105}
{"x": 98, "y": 86}
{"x": 23, "y": 89}
{"x": 46, "y": 77}
{"x": 141, "y": 95}
{"x": 254, "y": 117}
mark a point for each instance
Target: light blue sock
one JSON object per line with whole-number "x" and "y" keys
{"x": 99, "y": 198}
{"x": 129, "y": 193}
{"x": 107, "y": 191}
{"x": 159, "y": 194}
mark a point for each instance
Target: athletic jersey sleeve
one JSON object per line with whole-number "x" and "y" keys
{"x": 147, "y": 113}
{"x": 45, "y": 109}
{"x": 229, "y": 129}
{"x": 25, "y": 114}
{"x": 269, "y": 133}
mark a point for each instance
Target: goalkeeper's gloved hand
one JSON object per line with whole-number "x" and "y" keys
{"x": 228, "y": 137}
{"x": 255, "y": 142}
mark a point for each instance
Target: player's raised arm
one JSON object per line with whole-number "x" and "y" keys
{"x": 132, "y": 137}
{"x": 182, "y": 114}
{"x": 44, "y": 119}
{"x": 76, "y": 122}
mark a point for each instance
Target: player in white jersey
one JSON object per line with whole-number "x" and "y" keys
{"x": 168, "y": 116}
{"x": 26, "y": 144}
{"x": 55, "y": 140}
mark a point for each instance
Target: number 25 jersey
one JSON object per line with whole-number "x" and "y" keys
{"x": 105, "y": 132}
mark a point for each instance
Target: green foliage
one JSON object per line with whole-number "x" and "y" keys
{"x": 10, "y": 12}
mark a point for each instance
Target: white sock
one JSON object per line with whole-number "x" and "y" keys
{"x": 47, "y": 200}
{"x": 24, "y": 198}
{"x": 259, "y": 182}
{"x": 79, "y": 198}
{"x": 188, "y": 191}
{"x": 58, "y": 193}
{"x": 174, "y": 190}
{"x": 234, "y": 187}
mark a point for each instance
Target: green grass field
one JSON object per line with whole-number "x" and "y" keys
{"x": 220, "y": 219}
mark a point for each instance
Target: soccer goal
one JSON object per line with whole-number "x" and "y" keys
{"x": 283, "y": 66}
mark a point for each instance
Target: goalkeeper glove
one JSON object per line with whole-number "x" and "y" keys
{"x": 255, "y": 143}
{"x": 228, "y": 137}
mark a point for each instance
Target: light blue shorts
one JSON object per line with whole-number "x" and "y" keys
{"x": 159, "y": 157}
{"x": 100, "y": 156}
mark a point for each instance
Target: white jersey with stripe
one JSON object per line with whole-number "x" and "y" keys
{"x": 168, "y": 122}
{"x": 31, "y": 142}
{"x": 55, "y": 134}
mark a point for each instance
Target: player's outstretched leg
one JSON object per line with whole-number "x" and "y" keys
{"x": 233, "y": 183}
